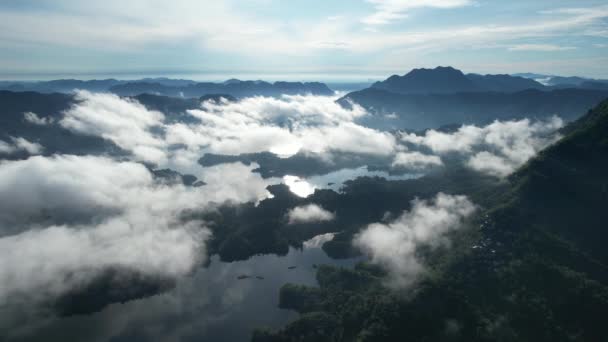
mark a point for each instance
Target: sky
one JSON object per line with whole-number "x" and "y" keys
{"x": 328, "y": 40}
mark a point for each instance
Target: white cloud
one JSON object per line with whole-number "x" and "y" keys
{"x": 498, "y": 148}
{"x": 492, "y": 164}
{"x": 319, "y": 240}
{"x": 125, "y": 122}
{"x": 387, "y": 11}
{"x": 63, "y": 219}
{"x": 282, "y": 126}
{"x": 20, "y": 144}
{"x": 415, "y": 160}
{"x": 308, "y": 214}
{"x": 33, "y": 118}
{"x": 394, "y": 245}
{"x": 540, "y": 47}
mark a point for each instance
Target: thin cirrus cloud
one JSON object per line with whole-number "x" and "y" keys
{"x": 274, "y": 45}
{"x": 540, "y": 47}
{"x": 387, "y": 11}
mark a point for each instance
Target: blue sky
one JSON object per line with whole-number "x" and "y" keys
{"x": 296, "y": 39}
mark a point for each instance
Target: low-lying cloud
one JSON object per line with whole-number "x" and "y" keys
{"x": 308, "y": 214}
{"x": 125, "y": 122}
{"x": 283, "y": 126}
{"x": 19, "y": 144}
{"x": 64, "y": 219}
{"x": 415, "y": 160}
{"x": 33, "y": 118}
{"x": 497, "y": 149}
{"x": 394, "y": 245}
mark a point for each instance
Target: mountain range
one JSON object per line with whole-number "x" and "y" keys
{"x": 431, "y": 98}
{"x": 172, "y": 87}
{"x": 565, "y": 81}
{"x": 447, "y": 80}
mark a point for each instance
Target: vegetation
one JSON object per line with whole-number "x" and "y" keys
{"x": 538, "y": 271}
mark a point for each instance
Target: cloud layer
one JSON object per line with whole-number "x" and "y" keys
{"x": 125, "y": 122}
{"x": 283, "y": 126}
{"x": 497, "y": 149}
{"x": 64, "y": 219}
{"x": 394, "y": 245}
{"x": 297, "y": 124}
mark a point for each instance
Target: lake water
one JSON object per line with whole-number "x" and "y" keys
{"x": 211, "y": 305}
{"x": 304, "y": 187}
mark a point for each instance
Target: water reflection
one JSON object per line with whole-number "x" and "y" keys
{"x": 212, "y": 305}
{"x": 304, "y": 187}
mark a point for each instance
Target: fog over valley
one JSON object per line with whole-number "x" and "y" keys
{"x": 459, "y": 196}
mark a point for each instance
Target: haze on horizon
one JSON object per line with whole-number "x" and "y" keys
{"x": 270, "y": 39}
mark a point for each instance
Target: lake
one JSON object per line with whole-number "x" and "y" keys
{"x": 211, "y": 305}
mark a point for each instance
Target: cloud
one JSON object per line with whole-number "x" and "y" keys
{"x": 319, "y": 240}
{"x": 19, "y": 144}
{"x": 394, "y": 245}
{"x": 415, "y": 160}
{"x": 283, "y": 126}
{"x": 149, "y": 38}
{"x": 123, "y": 121}
{"x": 498, "y": 148}
{"x": 33, "y": 118}
{"x": 492, "y": 164}
{"x": 540, "y": 47}
{"x": 309, "y": 213}
{"x": 64, "y": 219}
{"x": 387, "y": 11}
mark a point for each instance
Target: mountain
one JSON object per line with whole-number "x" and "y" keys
{"x": 53, "y": 137}
{"x": 531, "y": 267}
{"x": 420, "y": 111}
{"x": 447, "y": 80}
{"x": 60, "y": 86}
{"x": 49, "y": 108}
{"x": 232, "y": 87}
{"x": 566, "y": 81}
{"x": 440, "y": 80}
{"x": 503, "y": 83}
{"x": 171, "y": 87}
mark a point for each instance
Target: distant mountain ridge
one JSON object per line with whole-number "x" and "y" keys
{"x": 231, "y": 87}
{"x": 446, "y": 80}
{"x": 172, "y": 87}
{"x": 566, "y": 81}
{"x": 420, "y": 111}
